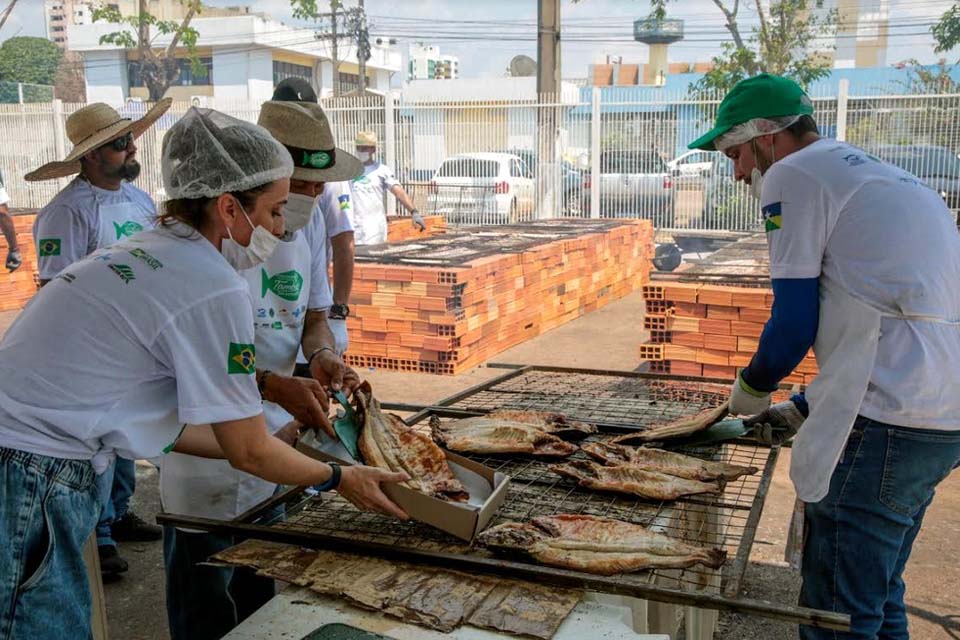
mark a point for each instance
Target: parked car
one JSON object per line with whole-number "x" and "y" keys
{"x": 938, "y": 167}
{"x": 483, "y": 188}
{"x": 571, "y": 180}
{"x": 634, "y": 184}
{"x": 693, "y": 163}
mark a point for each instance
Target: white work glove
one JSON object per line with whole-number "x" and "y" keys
{"x": 745, "y": 401}
{"x": 339, "y": 330}
{"x": 417, "y": 221}
{"x": 777, "y": 424}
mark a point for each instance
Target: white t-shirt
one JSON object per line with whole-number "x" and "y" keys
{"x": 83, "y": 218}
{"x": 331, "y": 217}
{"x": 4, "y": 197}
{"x": 126, "y": 346}
{"x": 890, "y": 240}
{"x": 369, "y": 212}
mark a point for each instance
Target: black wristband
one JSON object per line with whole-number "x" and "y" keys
{"x": 262, "y": 382}
{"x": 317, "y": 352}
{"x": 333, "y": 481}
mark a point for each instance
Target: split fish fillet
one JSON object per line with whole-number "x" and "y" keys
{"x": 668, "y": 462}
{"x": 597, "y": 545}
{"x": 676, "y": 429}
{"x": 490, "y": 434}
{"x": 553, "y": 423}
{"x": 633, "y": 480}
{"x": 386, "y": 442}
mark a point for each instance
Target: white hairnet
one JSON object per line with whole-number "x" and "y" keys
{"x": 207, "y": 153}
{"x": 751, "y": 129}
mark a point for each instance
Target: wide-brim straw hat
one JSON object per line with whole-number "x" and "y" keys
{"x": 366, "y": 139}
{"x": 91, "y": 127}
{"x": 303, "y": 128}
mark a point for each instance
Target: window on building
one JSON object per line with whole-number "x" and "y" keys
{"x": 284, "y": 70}
{"x": 349, "y": 82}
{"x": 187, "y": 76}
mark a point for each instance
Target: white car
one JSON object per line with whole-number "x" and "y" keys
{"x": 483, "y": 188}
{"x": 693, "y": 163}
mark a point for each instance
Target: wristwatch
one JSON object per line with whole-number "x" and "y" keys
{"x": 339, "y": 311}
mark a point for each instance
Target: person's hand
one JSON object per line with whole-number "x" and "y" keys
{"x": 303, "y": 398}
{"x": 328, "y": 369}
{"x": 361, "y": 485}
{"x": 745, "y": 401}
{"x": 417, "y": 221}
{"x": 777, "y": 424}
{"x": 289, "y": 433}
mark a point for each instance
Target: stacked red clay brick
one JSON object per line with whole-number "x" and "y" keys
{"x": 707, "y": 330}
{"x": 446, "y": 320}
{"x": 399, "y": 228}
{"x": 18, "y": 287}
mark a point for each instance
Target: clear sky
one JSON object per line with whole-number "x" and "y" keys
{"x": 486, "y": 34}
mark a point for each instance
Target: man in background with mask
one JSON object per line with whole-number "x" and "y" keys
{"x": 865, "y": 267}
{"x": 289, "y": 309}
{"x": 369, "y": 194}
{"x": 97, "y": 209}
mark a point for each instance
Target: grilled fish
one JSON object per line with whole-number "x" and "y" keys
{"x": 676, "y": 429}
{"x": 633, "y": 480}
{"x": 554, "y": 423}
{"x": 597, "y": 545}
{"x": 668, "y": 462}
{"x": 490, "y": 434}
{"x": 386, "y": 442}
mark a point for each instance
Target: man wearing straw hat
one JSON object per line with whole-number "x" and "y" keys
{"x": 290, "y": 296}
{"x": 96, "y": 209}
{"x": 369, "y": 193}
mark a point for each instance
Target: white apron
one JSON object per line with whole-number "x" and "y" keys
{"x": 846, "y": 348}
{"x": 279, "y": 290}
{"x": 119, "y": 221}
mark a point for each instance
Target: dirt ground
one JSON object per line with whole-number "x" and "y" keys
{"x": 605, "y": 339}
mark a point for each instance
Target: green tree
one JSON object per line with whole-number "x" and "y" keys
{"x": 29, "y": 60}
{"x": 781, "y": 44}
{"x": 159, "y": 67}
{"x": 946, "y": 33}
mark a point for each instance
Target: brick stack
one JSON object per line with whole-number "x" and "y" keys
{"x": 708, "y": 330}
{"x": 18, "y": 287}
{"x": 399, "y": 228}
{"x": 447, "y": 319}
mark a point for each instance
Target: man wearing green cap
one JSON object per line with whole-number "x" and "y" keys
{"x": 865, "y": 267}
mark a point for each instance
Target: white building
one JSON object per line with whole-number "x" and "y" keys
{"x": 58, "y": 15}
{"x": 862, "y": 30}
{"x": 245, "y": 56}
{"x": 426, "y": 63}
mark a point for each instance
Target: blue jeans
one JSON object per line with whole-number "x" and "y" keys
{"x": 47, "y": 513}
{"x": 205, "y": 603}
{"x": 115, "y": 486}
{"x": 859, "y": 537}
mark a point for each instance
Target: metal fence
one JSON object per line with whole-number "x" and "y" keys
{"x": 606, "y": 154}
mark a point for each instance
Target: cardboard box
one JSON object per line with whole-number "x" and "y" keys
{"x": 464, "y": 521}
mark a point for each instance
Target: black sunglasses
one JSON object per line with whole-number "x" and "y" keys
{"x": 121, "y": 143}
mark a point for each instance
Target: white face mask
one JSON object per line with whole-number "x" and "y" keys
{"x": 365, "y": 156}
{"x": 297, "y": 211}
{"x": 756, "y": 177}
{"x": 261, "y": 247}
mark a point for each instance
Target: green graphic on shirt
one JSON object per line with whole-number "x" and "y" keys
{"x": 128, "y": 228}
{"x": 277, "y": 325}
{"x": 242, "y": 358}
{"x": 148, "y": 259}
{"x": 286, "y": 285}
{"x": 49, "y": 247}
{"x": 122, "y": 270}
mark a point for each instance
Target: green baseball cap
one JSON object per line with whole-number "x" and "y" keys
{"x": 762, "y": 96}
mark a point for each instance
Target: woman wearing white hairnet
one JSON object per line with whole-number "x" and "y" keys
{"x": 160, "y": 334}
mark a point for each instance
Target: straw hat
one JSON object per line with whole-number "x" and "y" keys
{"x": 302, "y": 127}
{"x": 366, "y": 139}
{"x": 91, "y": 127}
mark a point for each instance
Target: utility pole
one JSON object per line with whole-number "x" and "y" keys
{"x": 363, "y": 44}
{"x": 548, "y": 46}
{"x": 6, "y": 12}
{"x": 547, "y": 172}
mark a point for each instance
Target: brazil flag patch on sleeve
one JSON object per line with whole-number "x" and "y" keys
{"x": 242, "y": 358}
{"x": 772, "y": 217}
{"x": 49, "y": 247}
